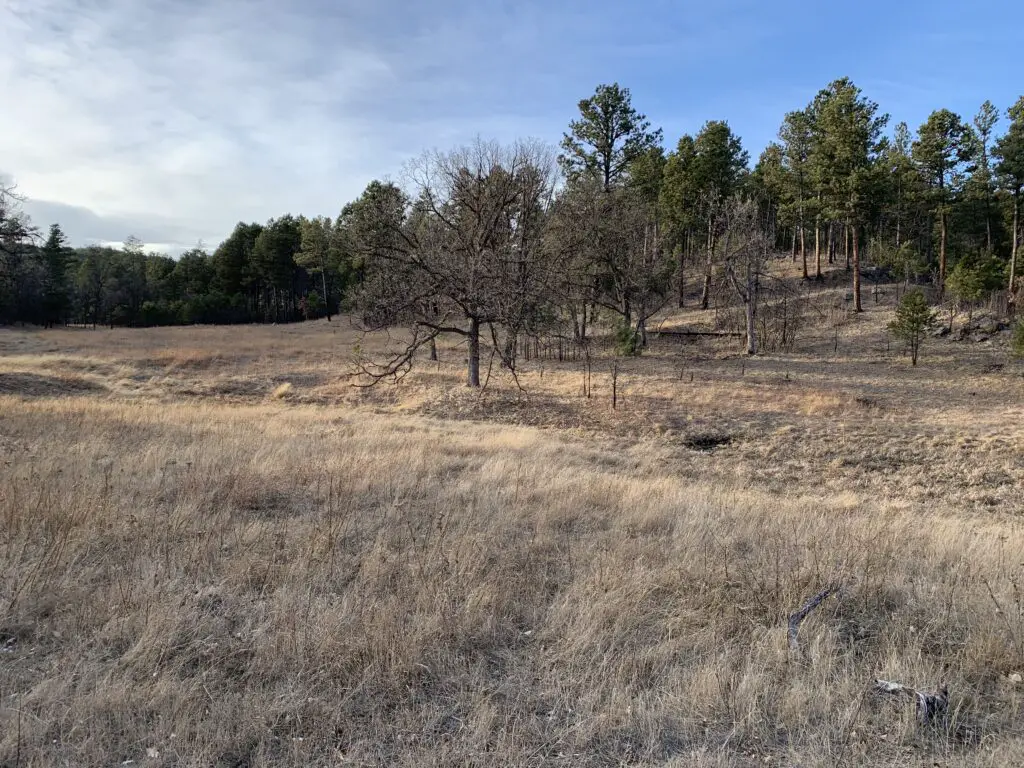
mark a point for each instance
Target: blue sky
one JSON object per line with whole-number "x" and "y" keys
{"x": 174, "y": 119}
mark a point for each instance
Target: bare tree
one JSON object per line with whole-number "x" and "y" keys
{"x": 15, "y": 226}
{"x": 466, "y": 256}
{"x": 746, "y": 243}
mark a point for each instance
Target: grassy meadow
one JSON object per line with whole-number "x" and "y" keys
{"x": 215, "y": 551}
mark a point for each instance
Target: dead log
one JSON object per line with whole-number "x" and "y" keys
{"x": 797, "y": 618}
{"x": 730, "y": 334}
{"x": 929, "y": 705}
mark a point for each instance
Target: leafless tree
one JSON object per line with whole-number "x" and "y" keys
{"x": 465, "y": 257}
{"x": 745, "y": 252}
{"x": 15, "y": 226}
{"x": 609, "y": 246}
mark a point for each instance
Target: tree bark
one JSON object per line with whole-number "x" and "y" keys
{"x": 327, "y": 299}
{"x": 856, "y": 271}
{"x": 473, "y": 374}
{"x": 682, "y": 272}
{"x": 751, "y": 309}
{"x": 817, "y": 250}
{"x": 705, "y": 296}
{"x": 942, "y": 253}
{"x": 846, "y": 245}
{"x": 794, "y": 243}
{"x": 803, "y": 250}
{"x": 1012, "y": 287}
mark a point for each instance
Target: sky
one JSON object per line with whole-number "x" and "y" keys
{"x": 172, "y": 120}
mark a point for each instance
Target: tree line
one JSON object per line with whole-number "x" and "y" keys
{"x": 505, "y": 242}
{"x": 288, "y": 269}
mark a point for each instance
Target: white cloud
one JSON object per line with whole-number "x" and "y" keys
{"x": 174, "y": 119}
{"x": 205, "y": 114}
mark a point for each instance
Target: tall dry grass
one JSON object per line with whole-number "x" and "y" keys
{"x": 256, "y": 585}
{"x": 214, "y": 551}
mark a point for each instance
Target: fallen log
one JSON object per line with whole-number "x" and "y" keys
{"x": 797, "y": 617}
{"x": 928, "y": 704}
{"x": 730, "y": 334}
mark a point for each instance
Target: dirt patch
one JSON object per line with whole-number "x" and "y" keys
{"x": 707, "y": 441}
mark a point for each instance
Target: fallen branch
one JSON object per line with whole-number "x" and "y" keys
{"x": 928, "y": 705}
{"x": 732, "y": 334}
{"x": 797, "y": 618}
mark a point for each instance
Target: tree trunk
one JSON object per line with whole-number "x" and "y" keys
{"x": 327, "y": 299}
{"x": 751, "y": 310}
{"x": 1011, "y": 296}
{"x": 433, "y": 346}
{"x": 831, "y": 242}
{"x": 846, "y": 245}
{"x": 856, "y": 271}
{"x": 803, "y": 250}
{"x": 682, "y": 273}
{"x": 473, "y": 374}
{"x": 942, "y": 253}
{"x": 705, "y": 296}
{"x": 794, "y": 243}
{"x": 817, "y": 250}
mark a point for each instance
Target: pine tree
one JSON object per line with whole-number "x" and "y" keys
{"x": 982, "y": 178}
{"x": 1009, "y": 151}
{"x": 719, "y": 165}
{"x": 944, "y": 144}
{"x": 607, "y": 138}
{"x": 914, "y": 319}
{"x": 796, "y": 137}
{"x": 849, "y": 143}
{"x": 678, "y": 203}
{"x": 55, "y": 255}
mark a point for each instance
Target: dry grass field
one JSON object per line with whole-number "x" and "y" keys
{"x": 215, "y": 551}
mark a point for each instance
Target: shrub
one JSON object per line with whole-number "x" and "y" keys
{"x": 627, "y": 339}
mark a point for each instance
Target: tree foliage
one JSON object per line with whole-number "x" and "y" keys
{"x": 914, "y": 319}
{"x": 608, "y": 136}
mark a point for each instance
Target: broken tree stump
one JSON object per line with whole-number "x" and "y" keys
{"x": 797, "y": 618}
{"x": 928, "y": 705}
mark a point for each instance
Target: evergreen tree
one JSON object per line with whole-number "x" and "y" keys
{"x": 914, "y": 319}
{"x": 850, "y": 141}
{"x": 56, "y": 296}
{"x": 719, "y": 169}
{"x": 1009, "y": 153}
{"x": 944, "y": 145}
{"x": 981, "y": 183}
{"x": 607, "y": 138}
{"x": 678, "y": 203}
{"x": 796, "y": 136}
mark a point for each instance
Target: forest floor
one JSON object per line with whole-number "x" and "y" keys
{"x": 217, "y": 551}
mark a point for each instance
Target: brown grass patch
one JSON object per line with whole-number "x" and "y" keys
{"x": 197, "y": 574}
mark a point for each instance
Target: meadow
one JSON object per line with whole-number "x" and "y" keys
{"x": 218, "y": 551}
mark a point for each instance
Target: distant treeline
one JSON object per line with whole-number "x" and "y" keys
{"x": 270, "y": 272}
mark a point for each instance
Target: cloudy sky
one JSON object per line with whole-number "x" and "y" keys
{"x": 174, "y": 119}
